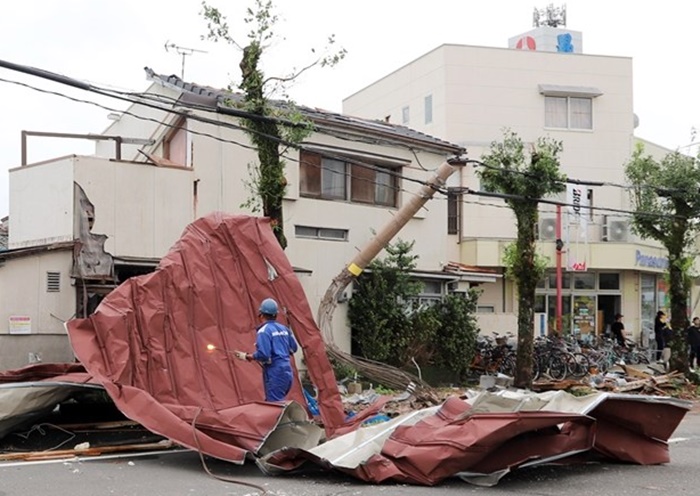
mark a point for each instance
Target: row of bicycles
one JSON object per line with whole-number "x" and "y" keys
{"x": 555, "y": 357}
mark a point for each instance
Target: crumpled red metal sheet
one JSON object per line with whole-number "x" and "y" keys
{"x": 481, "y": 446}
{"x": 630, "y": 433}
{"x": 452, "y": 441}
{"x": 147, "y": 341}
{"x": 55, "y": 372}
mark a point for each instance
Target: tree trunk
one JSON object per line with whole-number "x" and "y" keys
{"x": 266, "y": 136}
{"x": 527, "y": 284}
{"x": 679, "y": 315}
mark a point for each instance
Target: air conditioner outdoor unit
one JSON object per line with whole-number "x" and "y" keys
{"x": 547, "y": 229}
{"x": 616, "y": 230}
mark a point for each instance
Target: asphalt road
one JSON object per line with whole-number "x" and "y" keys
{"x": 182, "y": 473}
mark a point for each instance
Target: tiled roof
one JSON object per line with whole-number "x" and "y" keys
{"x": 217, "y": 98}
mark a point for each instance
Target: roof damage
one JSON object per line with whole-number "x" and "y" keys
{"x": 147, "y": 346}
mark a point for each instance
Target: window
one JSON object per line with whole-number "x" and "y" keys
{"x": 584, "y": 280}
{"x": 335, "y": 179}
{"x": 430, "y": 294}
{"x": 565, "y": 280}
{"x": 609, "y": 281}
{"x": 175, "y": 143}
{"x": 53, "y": 282}
{"x": 454, "y": 200}
{"x": 321, "y": 233}
{"x": 405, "y": 115}
{"x": 428, "y": 108}
{"x": 568, "y": 112}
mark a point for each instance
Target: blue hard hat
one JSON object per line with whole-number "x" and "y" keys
{"x": 268, "y": 307}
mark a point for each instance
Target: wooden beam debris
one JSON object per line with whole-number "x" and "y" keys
{"x": 97, "y": 451}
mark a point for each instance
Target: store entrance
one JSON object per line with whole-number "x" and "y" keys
{"x": 608, "y": 306}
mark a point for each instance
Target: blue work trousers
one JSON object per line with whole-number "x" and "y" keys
{"x": 277, "y": 378}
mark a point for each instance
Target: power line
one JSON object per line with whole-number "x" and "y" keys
{"x": 299, "y": 147}
{"x": 120, "y": 95}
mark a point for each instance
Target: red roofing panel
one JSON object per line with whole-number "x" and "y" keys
{"x": 147, "y": 341}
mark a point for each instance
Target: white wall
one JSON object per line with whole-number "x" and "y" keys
{"x": 142, "y": 208}
{"x": 128, "y": 126}
{"x": 485, "y": 90}
{"x": 23, "y": 293}
{"x": 41, "y": 203}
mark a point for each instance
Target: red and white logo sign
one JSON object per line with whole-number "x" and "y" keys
{"x": 526, "y": 43}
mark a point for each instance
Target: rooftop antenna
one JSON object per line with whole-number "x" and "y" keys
{"x": 184, "y": 52}
{"x": 549, "y": 16}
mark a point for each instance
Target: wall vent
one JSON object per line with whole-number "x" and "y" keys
{"x": 53, "y": 282}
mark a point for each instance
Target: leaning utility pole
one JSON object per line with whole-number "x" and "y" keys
{"x": 387, "y": 374}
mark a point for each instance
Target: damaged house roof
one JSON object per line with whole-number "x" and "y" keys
{"x": 224, "y": 101}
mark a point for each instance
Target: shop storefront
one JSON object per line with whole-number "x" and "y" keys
{"x": 589, "y": 301}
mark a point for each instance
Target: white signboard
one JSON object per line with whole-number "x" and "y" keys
{"x": 20, "y": 324}
{"x": 577, "y": 227}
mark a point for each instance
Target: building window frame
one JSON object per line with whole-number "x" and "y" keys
{"x": 324, "y": 233}
{"x": 568, "y": 112}
{"x": 356, "y": 181}
{"x": 176, "y": 143}
{"x": 428, "y": 109}
{"x": 454, "y": 210}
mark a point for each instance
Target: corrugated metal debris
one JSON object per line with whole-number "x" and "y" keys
{"x": 147, "y": 347}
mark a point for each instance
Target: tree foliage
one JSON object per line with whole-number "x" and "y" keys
{"x": 666, "y": 199}
{"x": 524, "y": 177}
{"x": 456, "y": 340}
{"x": 380, "y": 309}
{"x": 269, "y": 125}
{"x": 389, "y": 325}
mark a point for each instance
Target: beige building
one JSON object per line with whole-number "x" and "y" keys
{"x": 542, "y": 86}
{"x": 80, "y": 225}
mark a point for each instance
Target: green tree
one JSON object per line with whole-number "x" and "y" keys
{"x": 380, "y": 311}
{"x": 666, "y": 199}
{"x": 268, "y": 125}
{"x": 524, "y": 178}
{"x": 389, "y": 326}
{"x": 456, "y": 338}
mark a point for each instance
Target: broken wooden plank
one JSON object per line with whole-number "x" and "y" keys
{"x": 69, "y": 453}
{"x": 633, "y": 372}
{"x": 99, "y": 425}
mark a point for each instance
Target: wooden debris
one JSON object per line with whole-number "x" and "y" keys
{"x": 58, "y": 454}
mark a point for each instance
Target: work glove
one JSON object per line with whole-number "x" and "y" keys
{"x": 241, "y": 355}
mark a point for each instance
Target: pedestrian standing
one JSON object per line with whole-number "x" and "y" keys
{"x": 274, "y": 346}
{"x": 659, "y": 330}
{"x": 693, "y": 337}
{"x": 618, "y": 329}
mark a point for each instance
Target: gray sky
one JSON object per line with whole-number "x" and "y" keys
{"x": 108, "y": 43}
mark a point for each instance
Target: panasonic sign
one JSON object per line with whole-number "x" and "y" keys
{"x": 649, "y": 261}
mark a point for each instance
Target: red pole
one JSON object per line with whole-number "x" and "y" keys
{"x": 559, "y": 272}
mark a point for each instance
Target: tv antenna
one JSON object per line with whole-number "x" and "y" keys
{"x": 184, "y": 52}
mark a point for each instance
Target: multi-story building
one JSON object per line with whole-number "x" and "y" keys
{"x": 541, "y": 85}
{"x": 79, "y": 225}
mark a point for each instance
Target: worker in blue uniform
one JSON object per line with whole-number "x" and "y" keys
{"x": 274, "y": 347}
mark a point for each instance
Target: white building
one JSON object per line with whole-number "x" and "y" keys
{"x": 80, "y": 225}
{"x": 469, "y": 95}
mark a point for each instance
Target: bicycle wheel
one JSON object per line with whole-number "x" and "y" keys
{"x": 507, "y": 366}
{"x": 558, "y": 366}
{"x": 577, "y": 364}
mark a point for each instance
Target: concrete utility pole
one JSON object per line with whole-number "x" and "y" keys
{"x": 365, "y": 256}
